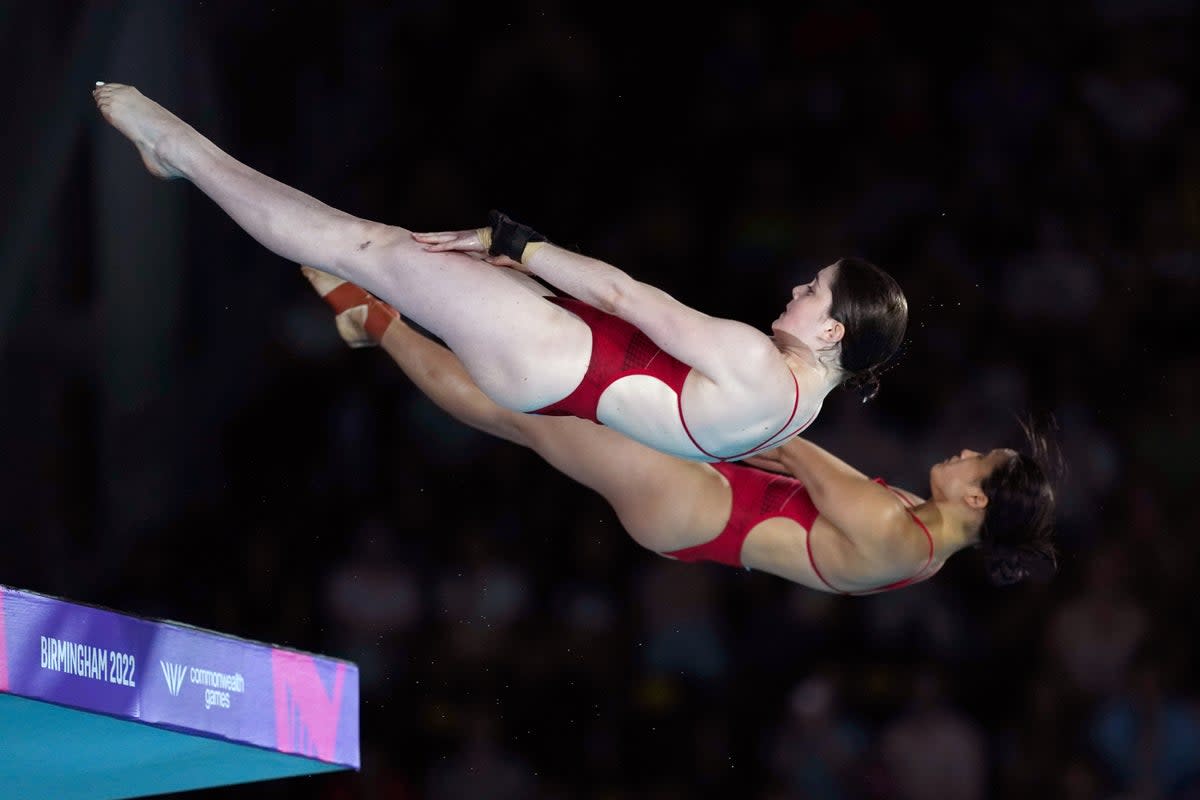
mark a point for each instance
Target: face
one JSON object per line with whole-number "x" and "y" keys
{"x": 807, "y": 315}
{"x": 952, "y": 477}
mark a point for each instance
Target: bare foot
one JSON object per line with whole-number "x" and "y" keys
{"x": 144, "y": 122}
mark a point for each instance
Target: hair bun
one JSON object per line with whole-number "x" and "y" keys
{"x": 1008, "y": 565}
{"x": 866, "y": 383}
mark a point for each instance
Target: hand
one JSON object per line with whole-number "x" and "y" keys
{"x": 768, "y": 460}
{"x": 474, "y": 242}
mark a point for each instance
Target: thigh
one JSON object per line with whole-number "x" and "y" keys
{"x": 526, "y": 281}
{"x": 523, "y": 351}
{"x": 664, "y": 502}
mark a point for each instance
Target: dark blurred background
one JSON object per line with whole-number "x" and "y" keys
{"x": 183, "y": 434}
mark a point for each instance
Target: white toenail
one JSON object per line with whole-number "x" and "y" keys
{"x": 99, "y": 83}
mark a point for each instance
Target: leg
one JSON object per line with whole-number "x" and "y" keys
{"x": 524, "y": 352}
{"x": 663, "y": 502}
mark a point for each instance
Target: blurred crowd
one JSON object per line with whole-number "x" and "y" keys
{"x": 1033, "y": 181}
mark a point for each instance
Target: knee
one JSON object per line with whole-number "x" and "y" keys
{"x": 376, "y": 246}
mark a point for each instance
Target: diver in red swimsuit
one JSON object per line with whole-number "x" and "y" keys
{"x": 746, "y": 388}
{"x": 822, "y": 523}
{"x": 758, "y": 496}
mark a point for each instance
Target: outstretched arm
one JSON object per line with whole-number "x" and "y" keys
{"x": 722, "y": 349}
{"x": 726, "y": 351}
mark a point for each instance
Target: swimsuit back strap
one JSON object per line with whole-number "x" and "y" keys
{"x": 795, "y": 406}
{"x": 900, "y": 584}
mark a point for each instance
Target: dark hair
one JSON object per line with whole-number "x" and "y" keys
{"x": 1018, "y": 526}
{"x": 871, "y": 306}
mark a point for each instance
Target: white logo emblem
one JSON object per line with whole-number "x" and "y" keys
{"x": 174, "y": 675}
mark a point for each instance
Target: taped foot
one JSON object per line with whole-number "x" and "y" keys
{"x": 362, "y": 318}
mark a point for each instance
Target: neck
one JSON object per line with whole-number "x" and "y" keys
{"x": 801, "y": 354}
{"x": 951, "y": 530}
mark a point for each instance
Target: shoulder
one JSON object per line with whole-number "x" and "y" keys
{"x": 754, "y": 348}
{"x": 895, "y": 534}
{"x": 749, "y": 358}
{"x": 910, "y": 499}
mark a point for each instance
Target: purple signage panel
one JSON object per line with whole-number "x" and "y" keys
{"x": 177, "y": 677}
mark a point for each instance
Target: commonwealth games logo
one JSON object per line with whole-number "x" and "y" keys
{"x": 174, "y": 674}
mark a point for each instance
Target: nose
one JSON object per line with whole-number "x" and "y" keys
{"x": 967, "y": 454}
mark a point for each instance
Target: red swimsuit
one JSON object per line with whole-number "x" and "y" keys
{"x": 618, "y": 350}
{"x": 758, "y": 496}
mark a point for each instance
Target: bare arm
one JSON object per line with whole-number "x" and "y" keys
{"x": 870, "y": 516}
{"x": 726, "y": 351}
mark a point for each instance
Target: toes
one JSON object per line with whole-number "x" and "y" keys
{"x": 105, "y": 89}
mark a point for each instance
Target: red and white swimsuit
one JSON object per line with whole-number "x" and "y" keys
{"x": 758, "y": 496}
{"x": 619, "y": 350}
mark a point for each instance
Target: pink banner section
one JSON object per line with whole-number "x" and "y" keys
{"x": 3, "y": 647}
{"x": 307, "y": 715}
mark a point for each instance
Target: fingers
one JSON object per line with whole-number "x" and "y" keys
{"x": 441, "y": 241}
{"x": 453, "y": 244}
{"x": 432, "y": 238}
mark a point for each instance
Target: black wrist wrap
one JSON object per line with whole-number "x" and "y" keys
{"x": 509, "y": 237}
